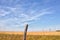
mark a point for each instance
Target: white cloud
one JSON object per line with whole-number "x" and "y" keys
{"x": 3, "y": 12}
{"x": 21, "y": 15}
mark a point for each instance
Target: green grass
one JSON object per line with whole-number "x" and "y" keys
{"x": 29, "y": 37}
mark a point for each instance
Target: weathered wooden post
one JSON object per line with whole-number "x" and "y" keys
{"x": 25, "y": 31}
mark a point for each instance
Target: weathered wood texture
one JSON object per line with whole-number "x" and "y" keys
{"x": 25, "y": 32}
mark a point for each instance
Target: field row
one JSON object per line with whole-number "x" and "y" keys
{"x": 29, "y": 37}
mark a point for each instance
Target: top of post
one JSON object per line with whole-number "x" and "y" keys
{"x": 26, "y": 25}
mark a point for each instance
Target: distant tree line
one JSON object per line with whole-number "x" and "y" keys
{"x": 57, "y": 30}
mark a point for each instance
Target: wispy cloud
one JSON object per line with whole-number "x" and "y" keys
{"x": 3, "y": 12}
{"x": 21, "y": 16}
{"x": 21, "y": 13}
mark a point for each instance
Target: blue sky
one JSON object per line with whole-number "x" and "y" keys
{"x": 41, "y": 15}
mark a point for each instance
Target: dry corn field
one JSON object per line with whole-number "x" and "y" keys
{"x": 30, "y": 36}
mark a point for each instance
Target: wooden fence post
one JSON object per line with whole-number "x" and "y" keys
{"x": 25, "y": 31}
